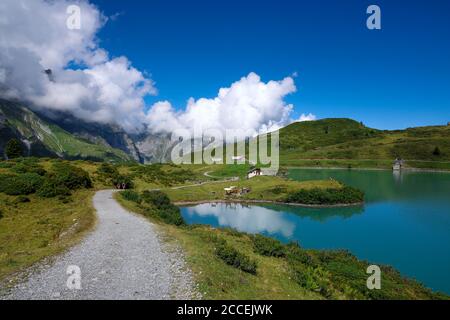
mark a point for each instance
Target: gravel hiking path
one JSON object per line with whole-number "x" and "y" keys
{"x": 123, "y": 258}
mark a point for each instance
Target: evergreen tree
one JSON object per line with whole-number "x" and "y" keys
{"x": 14, "y": 149}
{"x": 437, "y": 151}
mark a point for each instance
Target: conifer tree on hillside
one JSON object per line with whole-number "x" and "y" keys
{"x": 14, "y": 149}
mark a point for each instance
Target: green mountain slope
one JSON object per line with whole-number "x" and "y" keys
{"x": 46, "y": 139}
{"x": 346, "y": 139}
{"x": 348, "y": 143}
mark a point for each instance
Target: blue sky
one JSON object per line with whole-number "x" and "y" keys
{"x": 392, "y": 78}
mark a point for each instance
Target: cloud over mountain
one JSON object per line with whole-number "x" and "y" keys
{"x": 248, "y": 104}
{"x": 85, "y": 81}
{"x": 34, "y": 37}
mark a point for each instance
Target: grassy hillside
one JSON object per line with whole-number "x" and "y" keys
{"x": 351, "y": 143}
{"x": 35, "y": 224}
{"x": 348, "y": 143}
{"x": 46, "y": 139}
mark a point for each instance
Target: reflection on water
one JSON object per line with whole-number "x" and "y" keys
{"x": 242, "y": 217}
{"x": 270, "y": 219}
{"x": 318, "y": 214}
{"x": 405, "y": 221}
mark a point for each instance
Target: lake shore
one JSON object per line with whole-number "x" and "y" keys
{"x": 249, "y": 201}
{"x": 368, "y": 169}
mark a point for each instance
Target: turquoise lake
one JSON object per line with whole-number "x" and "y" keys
{"x": 405, "y": 221}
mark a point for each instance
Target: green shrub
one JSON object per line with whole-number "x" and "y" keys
{"x": 6, "y": 164}
{"x": 4, "y": 178}
{"x": 1, "y": 214}
{"x": 171, "y": 214}
{"x": 107, "y": 170}
{"x": 70, "y": 176}
{"x": 122, "y": 179}
{"x": 278, "y": 190}
{"x": 302, "y": 275}
{"x": 233, "y": 232}
{"x": 267, "y": 246}
{"x": 235, "y": 258}
{"x": 295, "y": 254}
{"x": 170, "y": 176}
{"x": 111, "y": 175}
{"x": 23, "y": 167}
{"x": 163, "y": 208}
{"x": 131, "y": 196}
{"x": 156, "y": 198}
{"x": 23, "y": 184}
{"x": 52, "y": 188}
{"x": 14, "y": 149}
{"x": 316, "y": 196}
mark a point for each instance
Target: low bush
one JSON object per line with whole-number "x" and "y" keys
{"x": 233, "y": 232}
{"x": 107, "y": 170}
{"x": 121, "y": 180}
{"x": 166, "y": 176}
{"x": 4, "y": 178}
{"x": 109, "y": 174}
{"x": 23, "y": 184}
{"x": 163, "y": 208}
{"x": 302, "y": 275}
{"x": 267, "y": 246}
{"x": 295, "y": 254}
{"x": 316, "y": 196}
{"x": 235, "y": 258}
{"x": 14, "y": 149}
{"x": 171, "y": 215}
{"x": 6, "y": 164}
{"x": 70, "y": 176}
{"x": 156, "y": 198}
{"x": 131, "y": 196}
{"x": 1, "y": 214}
{"x": 278, "y": 190}
{"x": 52, "y": 188}
{"x": 27, "y": 167}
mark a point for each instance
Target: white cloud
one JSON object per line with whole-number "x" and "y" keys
{"x": 248, "y": 104}
{"x": 306, "y": 117}
{"x": 35, "y": 38}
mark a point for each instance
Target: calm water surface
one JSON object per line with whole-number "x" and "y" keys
{"x": 405, "y": 221}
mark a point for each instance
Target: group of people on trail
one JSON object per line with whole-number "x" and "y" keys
{"x": 122, "y": 186}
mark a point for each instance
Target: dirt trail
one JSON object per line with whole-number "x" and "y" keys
{"x": 123, "y": 258}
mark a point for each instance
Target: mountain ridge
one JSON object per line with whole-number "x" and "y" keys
{"x": 64, "y": 136}
{"x": 43, "y": 138}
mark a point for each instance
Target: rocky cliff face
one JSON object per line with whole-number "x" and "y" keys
{"x": 54, "y": 134}
{"x": 154, "y": 148}
{"x": 103, "y": 134}
{"x": 43, "y": 137}
{"x": 144, "y": 147}
{"x": 17, "y": 122}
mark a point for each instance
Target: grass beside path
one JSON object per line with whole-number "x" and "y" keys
{"x": 40, "y": 228}
{"x": 217, "y": 280}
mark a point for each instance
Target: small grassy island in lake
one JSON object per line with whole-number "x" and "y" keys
{"x": 269, "y": 189}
